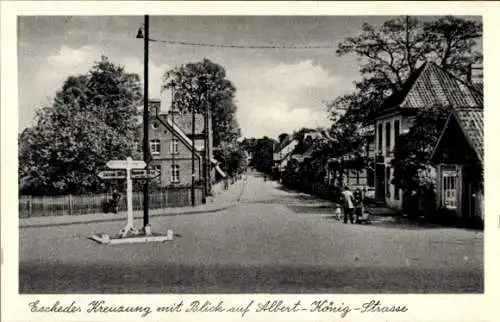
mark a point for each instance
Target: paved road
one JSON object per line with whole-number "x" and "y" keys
{"x": 272, "y": 241}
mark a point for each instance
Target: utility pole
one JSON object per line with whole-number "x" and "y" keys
{"x": 145, "y": 122}
{"x": 207, "y": 148}
{"x": 173, "y": 147}
{"x": 193, "y": 130}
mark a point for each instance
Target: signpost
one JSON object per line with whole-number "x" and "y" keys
{"x": 122, "y": 164}
{"x": 112, "y": 174}
{"x": 128, "y": 165}
{"x": 145, "y": 174}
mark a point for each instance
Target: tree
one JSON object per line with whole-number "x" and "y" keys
{"x": 452, "y": 43}
{"x": 413, "y": 151}
{"x": 91, "y": 120}
{"x": 195, "y": 85}
{"x": 282, "y": 137}
{"x": 291, "y": 173}
{"x": 234, "y": 158}
{"x": 395, "y": 49}
{"x": 392, "y": 51}
{"x": 263, "y": 154}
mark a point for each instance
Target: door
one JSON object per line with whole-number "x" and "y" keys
{"x": 470, "y": 193}
{"x": 380, "y": 181}
{"x": 449, "y": 184}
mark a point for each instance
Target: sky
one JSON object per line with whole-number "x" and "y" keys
{"x": 278, "y": 90}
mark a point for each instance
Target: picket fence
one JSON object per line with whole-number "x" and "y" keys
{"x": 34, "y": 206}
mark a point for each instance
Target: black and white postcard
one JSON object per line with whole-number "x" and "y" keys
{"x": 300, "y": 161}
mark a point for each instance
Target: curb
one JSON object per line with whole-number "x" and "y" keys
{"x": 93, "y": 221}
{"x": 230, "y": 204}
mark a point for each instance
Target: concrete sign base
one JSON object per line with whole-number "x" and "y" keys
{"x": 133, "y": 239}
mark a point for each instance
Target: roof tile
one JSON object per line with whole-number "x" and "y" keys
{"x": 432, "y": 85}
{"x": 471, "y": 121}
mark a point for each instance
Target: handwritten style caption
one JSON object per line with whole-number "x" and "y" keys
{"x": 276, "y": 306}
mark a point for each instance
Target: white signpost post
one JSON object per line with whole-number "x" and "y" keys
{"x": 128, "y": 165}
{"x": 130, "y": 169}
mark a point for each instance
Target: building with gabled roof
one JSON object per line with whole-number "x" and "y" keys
{"x": 459, "y": 160}
{"x": 428, "y": 86}
{"x": 283, "y": 152}
{"x": 171, "y": 146}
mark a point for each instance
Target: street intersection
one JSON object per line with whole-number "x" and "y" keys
{"x": 270, "y": 240}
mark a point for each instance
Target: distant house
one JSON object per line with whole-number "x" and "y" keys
{"x": 309, "y": 155}
{"x": 428, "y": 86}
{"x": 358, "y": 167}
{"x": 459, "y": 159}
{"x": 301, "y": 157}
{"x": 171, "y": 146}
{"x": 283, "y": 153}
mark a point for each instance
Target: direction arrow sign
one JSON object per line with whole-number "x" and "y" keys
{"x": 112, "y": 174}
{"x": 144, "y": 174}
{"x": 122, "y": 164}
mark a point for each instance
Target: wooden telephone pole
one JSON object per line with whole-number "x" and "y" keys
{"x": 145, "y": 122}
{"x": 207, "y": 147}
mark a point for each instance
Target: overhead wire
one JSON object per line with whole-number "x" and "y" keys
{"x": 213, "y": 45}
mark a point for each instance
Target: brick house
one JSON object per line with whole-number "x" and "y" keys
{"x": 429, "y": 85}
{"x": 171, "y": 142}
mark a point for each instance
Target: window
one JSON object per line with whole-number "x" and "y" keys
{"x": 174, "y": 146}
{"x": 387, "y": 138}
{"x": 155, "y": 146}
{"x": 380, "y": 142}
{"x": 449, "y": 183}
{"x": 388, "y": 182}
{"x": 174, "y": 173}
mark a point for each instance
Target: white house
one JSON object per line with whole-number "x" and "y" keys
{"x": 428, "y": 86}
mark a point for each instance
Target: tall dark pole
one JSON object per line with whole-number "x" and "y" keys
{"x": 192, "y": 157}
{"x": 145, "y": 121}
{"x": 207, "y": 149}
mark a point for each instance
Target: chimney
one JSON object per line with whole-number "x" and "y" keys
{"x": 475, "y": 73}
{"x": 166, "y": 100}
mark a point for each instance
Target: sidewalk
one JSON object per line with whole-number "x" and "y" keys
{"x": 381, "y": 211}
{"x": 220, "y": 201}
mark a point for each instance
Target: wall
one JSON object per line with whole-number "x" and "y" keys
{"x": 184, "y": 121}
{"x": 185, "y": 173}
{"x": 165, "y": 158}
{"x": 356, "y": 178}
{"x": 393, "y": 196}
{"x": 359, "y": 178}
